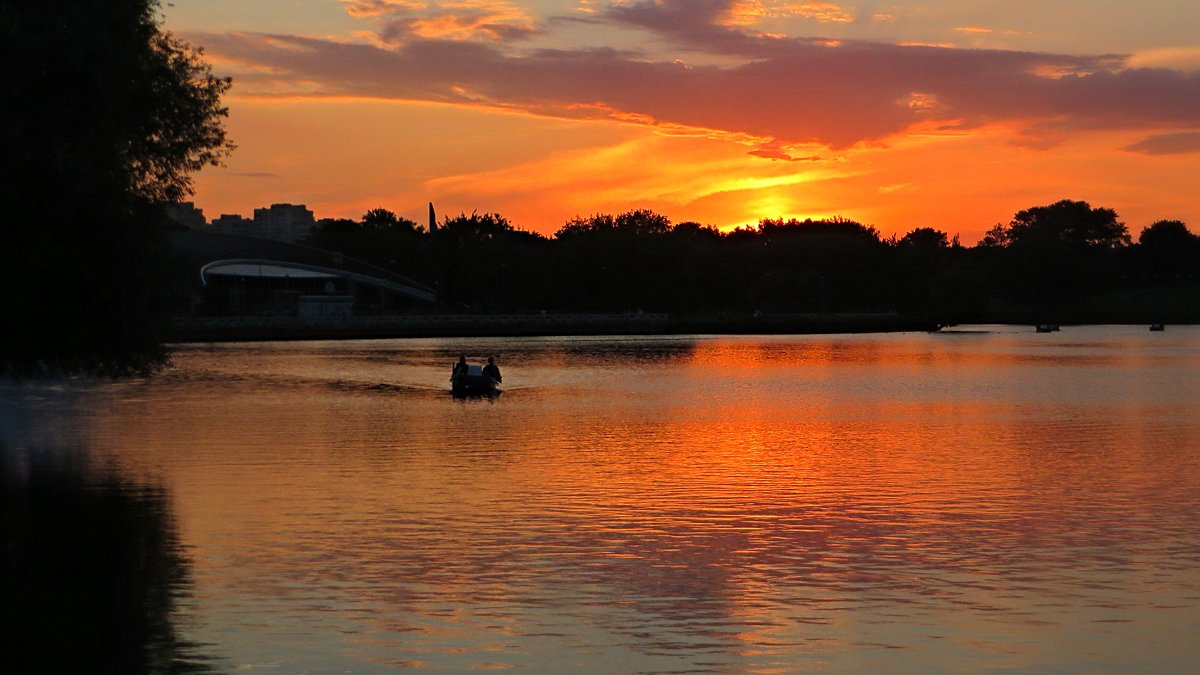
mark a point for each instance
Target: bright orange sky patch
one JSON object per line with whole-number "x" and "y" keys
{"x": 723, "y": 113}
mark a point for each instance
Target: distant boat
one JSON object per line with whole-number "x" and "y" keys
{"x": 474, "y": 383}
{"x": 1157, "y": 327}
{"x": 1047, "y": 327}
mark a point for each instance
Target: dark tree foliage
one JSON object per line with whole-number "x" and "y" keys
{"x": 696, "y": 230}
{"x": 624, "y": 263}
{"x": 1067, "y": 222}
{"x": 103, "y": 116}
{"x": 1047, "y": 263}
{"x": 643, "y": 222}
{"x": 996, "y": 237}
{"x": 1052, "y": 254}
{"x": 639, "y": 222}
{"x": 924, "y": 239}
{"x": 382, "y": 238}
{"x": 918, "y": 264}
{"x": 828, "y": 265}
{"x": 475, "y": 227}
{"x": 484, "y": 263}
{"x": 592, "y": 225}
{"x": 1168, "y": 249}
{"x": 1167, "y": 233}
{"x": 382, "y": 220}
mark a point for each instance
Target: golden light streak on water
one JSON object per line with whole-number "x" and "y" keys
{"x": 987, "y": 499}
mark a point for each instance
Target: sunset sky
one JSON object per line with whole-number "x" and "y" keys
{"x": 948, "y": 114}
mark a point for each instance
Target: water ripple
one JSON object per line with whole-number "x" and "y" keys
{"x": 906, "y": 502}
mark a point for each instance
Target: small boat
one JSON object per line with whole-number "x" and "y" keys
{"x": 1157, "y": 327}
{"x": 1047, "y": 327}
{"x": 473, "y": 383}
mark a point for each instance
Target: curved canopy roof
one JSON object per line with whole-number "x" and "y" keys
{"x": 234, "y": 268}
{"x": 278, "y": 269}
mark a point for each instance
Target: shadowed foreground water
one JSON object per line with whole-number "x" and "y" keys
{"x": 988, "y": 499}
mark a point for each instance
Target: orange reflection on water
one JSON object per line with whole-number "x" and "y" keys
{"x": 755, "y": 503}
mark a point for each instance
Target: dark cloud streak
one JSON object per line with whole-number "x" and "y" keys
{"x": 788, "y": 90}
{"x": 1168, "y": 144}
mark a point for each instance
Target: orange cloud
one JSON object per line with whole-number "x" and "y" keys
{"x": 457, "y": 27}
{"x": 747, "y": 12}
{"x": 587, "y": 7}
{"x": 1182, "y": 58}
{"x": 792, "y": 91}
{"x": 921, "y": 102}
{"x": 448, "y": 20}
{"x": 368, "y": 8}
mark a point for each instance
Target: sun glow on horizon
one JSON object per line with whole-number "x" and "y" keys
{"x": 541, "y": 171}
{"x": 541, "y": 131}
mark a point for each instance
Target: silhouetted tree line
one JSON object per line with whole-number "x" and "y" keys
{"x": 1048, "y": 260}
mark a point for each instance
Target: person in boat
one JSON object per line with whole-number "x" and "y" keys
{"x": 492, "y": 370}
{"x": 460, "y": 367}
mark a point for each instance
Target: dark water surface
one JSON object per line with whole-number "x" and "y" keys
{"x": 987, "y": 499}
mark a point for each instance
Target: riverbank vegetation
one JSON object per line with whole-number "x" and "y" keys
{"x": 104, "y": 116}
{"x": 1063, "y": 262}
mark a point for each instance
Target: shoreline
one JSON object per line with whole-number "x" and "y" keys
{"x": 254, "y": 329}
{"x": 284, "y": 328}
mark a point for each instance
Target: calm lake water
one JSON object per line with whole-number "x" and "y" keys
{"x": 979, "y": 499}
